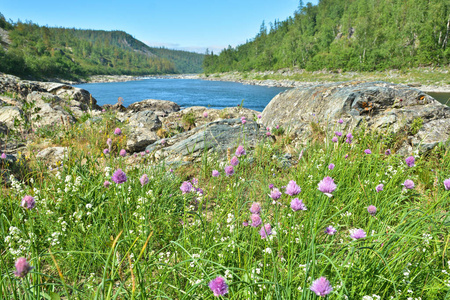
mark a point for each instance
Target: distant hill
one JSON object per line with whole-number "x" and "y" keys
{"x": 27, "y": 49}
{"x": 361, "y": 35}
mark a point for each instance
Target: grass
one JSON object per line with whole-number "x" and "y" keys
{"x": 128, "y": 241}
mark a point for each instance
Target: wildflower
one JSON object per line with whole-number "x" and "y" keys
{"x": 292, "y": 188}
{"x": 244, "y": 121}
{"x": 255, "y": 208}
{"x": 379, "y": 187}
{"x": 349, "y": 138}
{"x": 388, "y": 152}
{"x": 229, "y": 170}
{"x": 218, "y": 286}
{"x": 447, "y": 184}
{"x": 106, "y": 183}
{"x": 275, "y": 194}
{"x": 268, "y": 133}
{"x": 142, "y": 153}
{"x": 205, "y": 114}
{"x": 3, "y": 156}
{"x": 334, "y": 139}
{"x": 144, "y": 179}
{"x": 346, "y": 156}
{"x": 28, "y": 202}
{"x": 186, "y": 187}
{"x": 372, "y": 210}
{"x": 194, "y": 181}
{"x": 259, "y": 116}
{"x": 163, "y": 142}
{"x": 410, "y": 161}
{"x": 265, "y": 231}
{"x": 340, "y": 121}
{"x": 105, "y": 151}
{"x": 408, "y": 184}
{"x": 199, "y": 191}
{"x": 256, "y": 220}
{"x": 234, "y": 161}
{"x": 245, "y": 223}
{"x": 117, "y": 131}
{"x": 119, "y": 177}
{"x": 357, "y": 234}
{"x": 109, "y": 142}
{"x": 367, "y": 151}
{"x": 240, "y": 151}
{"x": 321, "y": 287}
{"x": 123, "y": 153}
{"x": 300, "y": 155}
{"x": 330, "y": 230}
{"x": 327, "y": 186}
{"x": 338, "y": 133}
{"x": 297, "y": 205}
{"x": 147, "y": 151}
{"x": 271, "y": 186}
{"x": 215, "y": 173}
{"x": 22, "y": 267}
{"x": 331, "y": 166}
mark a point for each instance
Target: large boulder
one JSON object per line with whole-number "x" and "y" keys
{"x": 215, "y": 137}
{"x": 8, "y": 114}
{"x": 160, "y": 107}
{"x": 379, "y": 105}
{"x": 53, "y": 156}
{"x": 142, "y": 127}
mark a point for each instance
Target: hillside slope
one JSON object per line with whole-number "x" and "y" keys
{"x": 363, "y": 35}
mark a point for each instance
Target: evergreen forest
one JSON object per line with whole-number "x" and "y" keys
{"x": 359, "y": 35}
{"x": 33, "y": 51}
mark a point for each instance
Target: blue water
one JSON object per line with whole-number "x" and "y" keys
{"x": 184, "y": 92}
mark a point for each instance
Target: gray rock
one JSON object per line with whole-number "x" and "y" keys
{"x": 215, "y": 137}
{"x": 53, "y": 156}
{"x": 8, "y": 114}
{"x": 142, "y": 126}
{"x": 379, "y": 105}
{"x": 160, "y": 107}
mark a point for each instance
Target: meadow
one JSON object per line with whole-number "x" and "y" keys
{"x": 343, "y": 217}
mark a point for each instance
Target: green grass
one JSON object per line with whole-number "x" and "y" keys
{"x": 129, "y": 241}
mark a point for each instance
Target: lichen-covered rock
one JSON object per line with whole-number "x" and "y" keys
{"x": 53, "y": 156}
{"x": 214, "y": 137}
{"x": 378, "y": 105}
{"x": 160, "y": 107}
{"x": 142, "y": 126}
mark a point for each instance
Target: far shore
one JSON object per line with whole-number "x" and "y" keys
{"x": 425, "y": 79}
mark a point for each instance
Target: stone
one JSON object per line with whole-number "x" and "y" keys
{"x": 378, "y": 105}
{"x": 160, "y": 107}
{"x": 53, "y": 156}
{"x": 8, "y": 114}
{"x": 142, "y": 126}
{"x": 211, "y": 138}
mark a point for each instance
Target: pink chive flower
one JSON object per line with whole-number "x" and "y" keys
{"x": 410, "y": 161}
{"x": 256, "y": 220}
{"x": 245, "y": 223}
{"x": 215, "y": 173}
{"x": 346, "y": 156}
{"x": 367, "y": 151}
{"x": 205, "y": 114}
{"x": 194, "y": 181}
{"x": 340, "y": 121}
{"x": 297, "y": 205}
{"x": 379, "y": 187}
{"x": 338, "y": 133}
{"x": 334, "y": 139}
{"x": 163, "y": 142}
{"x": 186, "y": 187}
{"x": 229, "y": 170}
{"x": 447, "y": 184}
{"x": 244, "y": 121}
{"x": 240, "y": 151}
{"x": 144, "y": 179}
{"x": 330, "y": 230}
{"x": 259, "y": 116}
{"x": 106, "y": 183}
{"x": 123, "y": 153}
{"x": 117, "y": 131}
{"x": 292, "y": 188}
{"x": 22, "y": 267}
{"x": 357, "y": 234}
{"x": 255, "y": 208}
{"x": 271, "y": 186}
{"x": 331, "y": 166}
{"x": 109, "y": 142}
{"x": 142, "y": 153}
{"x": 327, "y": 186}
{"x": 147, "y": 151}
{"x": 28, "y": 202}
{"x": 349, "y": 138}
{"x": 119, "y": 176}
{"x": 408, "y": 184}
{"x": 218, "y": 286}
{"x": 3, "y": 156}
{"x": 105, "y": 151}
{"x": 372, "y": 210}
{"x": 275, "y": 194}
{"x": 234, "y": 161}
{"x": 321, "y": 287}
{"x": 388, "y": 152}
{"x": 265, "y": 231}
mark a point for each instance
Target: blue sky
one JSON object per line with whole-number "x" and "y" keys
{"x": 192, "y": 25}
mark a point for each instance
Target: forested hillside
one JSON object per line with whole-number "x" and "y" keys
{"x": 40, "y": 51}
{"x": 363, "y": 35}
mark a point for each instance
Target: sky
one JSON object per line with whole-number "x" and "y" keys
{"x": 191, "y": 25}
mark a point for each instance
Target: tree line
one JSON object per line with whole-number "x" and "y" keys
{"x": 360, "y": 35}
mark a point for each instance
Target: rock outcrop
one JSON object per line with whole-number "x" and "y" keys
{"x": 379, "y": 105}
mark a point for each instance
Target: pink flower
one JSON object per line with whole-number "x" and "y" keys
{"x": 218, "y": 286}
{"x": 186, "y": 187}
{"x": 334, "y": 139}
{"x": 321, "y": 287}
{"x": 144, "y": 179}
{"x": 3, "y": 156}
{"x": 234, "y": 161}
{"x": 106, "y": 183}
{"x": 410, "y": 161}
{"x": 447, "y": 184}
{"x": 367, "y": 151}
{"x": 205, "y": 114}
{"x": 275, "y": 194}
{"x": 259, "y": 117}
{"x": 297, "y": 205}
{"x": 22, "y": 267}
{"x": 256, "y": 220}
{"x": 379, "y": 187}
{"x": 119, "y": 176}
{"x": 331, "y": 166}
{"x": 357, "y": 234}
{"x": 215, "y": 173}
{"x": 327, "y": 186}
{"x": 255, "y": 208}
{"x": 28, "y": 202}
{"x": 240, "y": 151}
{"x": 292, "y": 188}
{"x": 229, "y": 170}
{"x": 123, "y": 153}
{"x": 372, "y": 210}
{"x": 117, "y": 131}
{"x": 330, "y": 230}
{"x": 265, "y": 231}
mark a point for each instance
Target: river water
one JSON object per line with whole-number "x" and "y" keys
{"x": 194, "y": 92}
